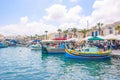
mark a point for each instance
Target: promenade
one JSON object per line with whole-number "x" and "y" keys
{"x": 116, "y": 53}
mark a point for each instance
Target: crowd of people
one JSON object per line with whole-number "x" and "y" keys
{"x": 105, "y": 45}
{"x": 114, "y": 45}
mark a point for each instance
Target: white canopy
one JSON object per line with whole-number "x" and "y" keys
{"x": 118, "y": 37}
{"x": 73, "y": 39}
{"x": 47, "y": 40}
{"x": 111, "y": 37}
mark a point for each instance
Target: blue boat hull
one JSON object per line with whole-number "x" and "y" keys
{"x": 91, "y": 56}
{"x": 3, "y": 46}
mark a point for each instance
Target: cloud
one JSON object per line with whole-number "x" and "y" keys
{"x": 103, "y": 11}
{"x": 23, "y": 20}
{"x": 66, "y": 26}
{"x": 58, "y": 0}
{"x": 106, "y": 11}
{"x": 66, "y": 17}
{"x": 73, "y": 14}
{"x": 31, "y": 28}
{"x": 60, "y": 13}
{"x": 73, "y": 0}
{"x": 56, "y": 12}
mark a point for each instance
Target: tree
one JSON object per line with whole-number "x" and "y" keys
{"x": 65, "y": 32}
{"x": 36, "y": 36}
{"x": 118, "y": 29}
{"x": 99, "y": 27}
{"x": 59, "y": 31}
{"x": 74, "y": 30}
{"x": 46, "y": 34}
{"x": 84, "y": 31}
{"x": 39, "y": 36}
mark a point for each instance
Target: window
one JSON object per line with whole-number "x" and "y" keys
{"x": 102, "y": 32}
{"x": 87, "y": 50}
{"x": 110, "y": 31}
{"x": 118, "y": 32}
{"x": 110, "y": 28}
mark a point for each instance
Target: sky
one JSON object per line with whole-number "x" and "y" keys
{"x": 30, "y": 17}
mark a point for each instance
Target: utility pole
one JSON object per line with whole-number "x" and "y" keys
{"x": 87, "y": 27}
{"x": 87, "y": 24}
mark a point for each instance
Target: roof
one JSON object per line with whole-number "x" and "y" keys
{"x": 111, "y": 25}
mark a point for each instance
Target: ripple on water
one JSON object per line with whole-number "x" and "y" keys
{"x": 21, "y": 63}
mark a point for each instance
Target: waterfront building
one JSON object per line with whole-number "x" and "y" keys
{"x": 110, "y": 29}
{"x": 105, "y": 30}
{"x": 1, "y": 37}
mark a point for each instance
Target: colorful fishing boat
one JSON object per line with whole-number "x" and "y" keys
{"x": 88, "y": 53}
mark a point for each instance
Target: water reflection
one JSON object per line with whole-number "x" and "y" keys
{"x": 84, "y": 69}
{"x": 25, "y": 64}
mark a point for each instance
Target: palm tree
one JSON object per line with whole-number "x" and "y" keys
{"x": 99, "y": 27}
{"x": 84, "y": 31}
{"x": 46, "y": 34}
{"x": 36, "y": 36}
{"x": 118, "y": 29}
{"x": 74, "y": 30}
{"x": 59, "y": 30}
{"x": 65, "y": 32}
{"x": 31, "y": 37}
{"x": 39, "y": 36}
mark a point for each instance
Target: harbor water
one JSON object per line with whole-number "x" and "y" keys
{"x": 21, "y": 63}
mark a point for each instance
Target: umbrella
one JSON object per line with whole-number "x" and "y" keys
{"x": 100, "y": 36}
{"x": 73, "y": 39}
{"x": 111, "y": 37}
{"x": 47, "y": 40}
{"x": 118, "y": 37}
{"x": 95, "y": 38}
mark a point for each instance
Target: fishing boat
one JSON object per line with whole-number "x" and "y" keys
{"x": 53, "y": 50}
{"x": 36, "y": 45}
{"x": 88, "y": 53}
{"x": 54, "y": 46}
{"x": 2, "y": 45}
